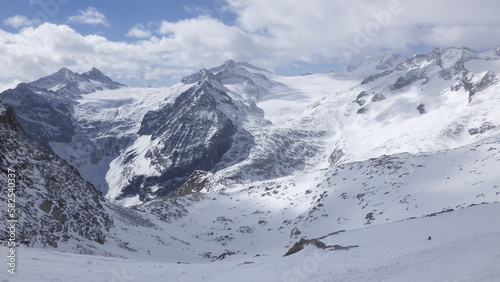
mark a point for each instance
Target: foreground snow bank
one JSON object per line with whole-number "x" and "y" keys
{"x": 464, "y": 247}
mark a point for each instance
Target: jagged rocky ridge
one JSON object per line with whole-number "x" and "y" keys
{"x": 191, "y": 134}
{"x": 53, "y": 203}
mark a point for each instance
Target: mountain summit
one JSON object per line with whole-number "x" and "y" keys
{"x": 70, "y": 83}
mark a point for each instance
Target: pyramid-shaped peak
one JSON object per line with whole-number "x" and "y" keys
{"x": 64, "y": 70}
{"x": 452, "y": 51}
{"x": 230, "y": 63}
{"x": 202, "y": 75}
{"x": 449, "y": 56}
{"x": 390, "y": 61}
{"x": 96, "y": 75}
{"x": 94, "y": 70}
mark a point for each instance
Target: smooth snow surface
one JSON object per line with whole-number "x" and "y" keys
{"x": 464, "y": 247}
{"x": 289, "y": 102}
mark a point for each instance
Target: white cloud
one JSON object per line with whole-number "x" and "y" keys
{"x": 18, "y": 21}
{"x": 89, "y": 16}
{"x": 196, "y": 10}
{"x": 314, "y": 31}
{"x": 138, "y": 31}
{"x": 267, "y": 33}
{"x": 206, "y": 42}
{"x": 34, "y": 52}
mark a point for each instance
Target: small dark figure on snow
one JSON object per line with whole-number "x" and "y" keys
{"x": 429, "y": 238}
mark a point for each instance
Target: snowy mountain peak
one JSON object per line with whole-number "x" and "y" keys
{"x": 64, "y": 81}
{"x": 191, "y": 134}
{"x": 64, "y": 71}
{"x": 236, "y": 67}
{"x": 254, "y": 80}
{"x": 449, "y": 56}
{"x": 373, "y": 66}
{"x": 96, "y": 75}
{"x": 390, "y": 61}
{"x": 229, "y": 64}
{"x": 202, "y": 75}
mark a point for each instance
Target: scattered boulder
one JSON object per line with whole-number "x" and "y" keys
{"x": 362, "y": 111}
{"x": 369, "y": 218}
{"x": 223, "y": 255}
{"x": 421, "y": 109}
{"x": 245, "y": 229}
{"x": 196, "y": 182}
{"x": 336, "y": 156}
{"x": 378, "y": 97}
{"x": 298, "y": 246}
{"x": 482, "y": 129}
{"x": 359, "y": 98}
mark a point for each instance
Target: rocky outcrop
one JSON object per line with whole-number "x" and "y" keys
{"x": 298, "y": 246}
{"x": 197, "y": 181}
{"x": 360, "y": 99}
{"x": 44, "y": 117}
{"x": 53, "y": 203}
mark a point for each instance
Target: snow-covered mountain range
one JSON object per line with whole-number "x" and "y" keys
{"x": 239, "y": 161}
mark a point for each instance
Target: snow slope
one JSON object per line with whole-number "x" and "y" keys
{"x": 462, "y": 248}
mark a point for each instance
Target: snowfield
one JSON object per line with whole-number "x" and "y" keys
{"x": 463, "y": 247}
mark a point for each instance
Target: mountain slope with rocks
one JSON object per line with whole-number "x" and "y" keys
{"x": 56, "y": 208}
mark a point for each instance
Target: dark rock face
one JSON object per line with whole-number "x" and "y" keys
{"x": 336, "y": 156}
{"x": 45, "y": 110}
{"x": 378, "y": 97}
{"x": 43, "y": 117}
{"x": 486, "y": 81}
{"x": 97, "y": 75}
{"x": 53, "y": 203}
{"x": 421, "y": 109}
{"x": 204, "y": 74}
{"x": 362, "y": 110}
{"x": 360, "y": 98}
{"x": 196, "y": 182}
{"x": 408, "y": 78}
{"x": 8, "y": 119}
{"x": 192, "y": 134}
{"x": 299, "y": 246}
{"x": 374, "y": 77}
{"x": 482, "y": 129}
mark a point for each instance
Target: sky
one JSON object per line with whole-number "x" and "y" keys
{"x": 154, "y": 42}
